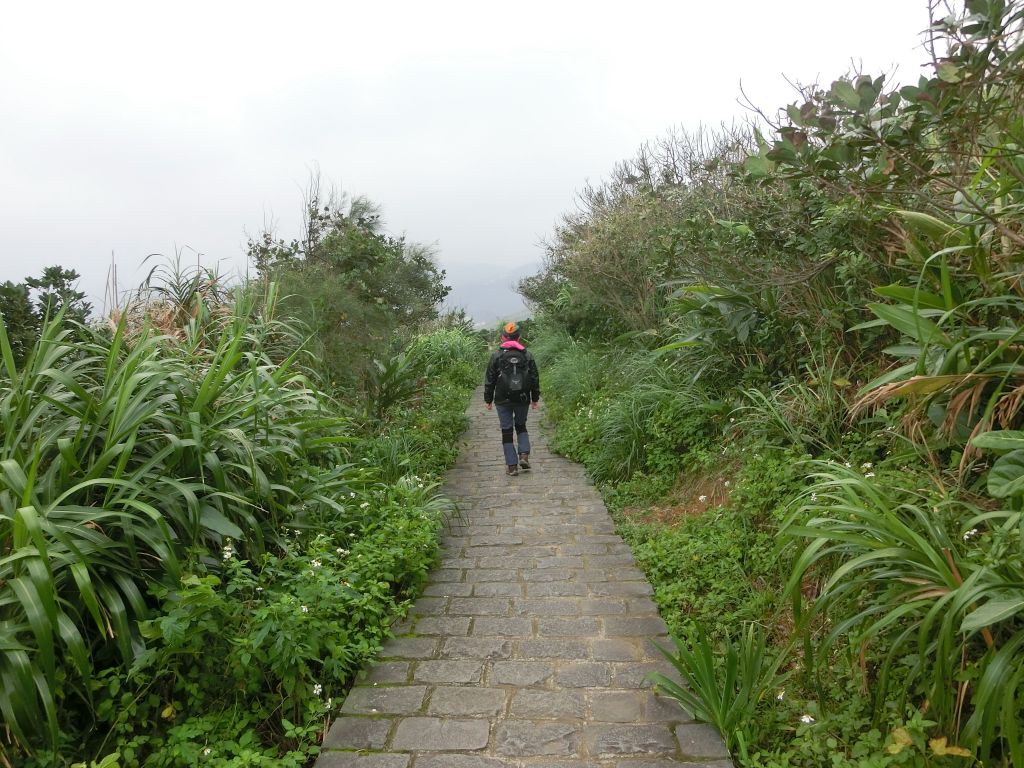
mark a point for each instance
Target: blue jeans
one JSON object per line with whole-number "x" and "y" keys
{"x": 509, "y": 416}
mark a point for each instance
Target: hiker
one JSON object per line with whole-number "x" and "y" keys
{"x": 512, "y": 383}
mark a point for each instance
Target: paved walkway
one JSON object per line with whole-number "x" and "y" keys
{"x": 530, "y": 645}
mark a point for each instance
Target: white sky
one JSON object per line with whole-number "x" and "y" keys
{"x": 138, "y": 127}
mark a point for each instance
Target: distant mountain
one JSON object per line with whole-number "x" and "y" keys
{"x": 488, "y": 297}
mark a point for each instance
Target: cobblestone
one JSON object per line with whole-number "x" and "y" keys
{"x": 357, "y": 733}
{"x": 394, "y": 700}
{"x": 437, "y": 733}
{"x": 531, "y": 645}
{"x": 467, "y": 701}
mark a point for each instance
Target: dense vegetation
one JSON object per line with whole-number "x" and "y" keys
{"x": 792, "y": 359}
{"x": 207, "y": 522}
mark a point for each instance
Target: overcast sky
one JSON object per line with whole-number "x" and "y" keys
{"x": 133, "y": 128}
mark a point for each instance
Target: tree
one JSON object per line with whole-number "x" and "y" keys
{"x": 21, "y": 321}
{"x": 355, "y": 286}
{"x": 58, "y": 291}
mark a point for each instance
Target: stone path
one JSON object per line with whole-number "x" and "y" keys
{"x": 530, "y": 645}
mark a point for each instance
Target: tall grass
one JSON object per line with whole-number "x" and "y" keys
{"x": 461, "y": 355}
{"x": 725, "y": 687}
{"x": 934, "y": 585}
{"x": 650, "y": 411}
{"x": 127, "y": 454}
{"x": 573, "y": 372}
{"x": 811, "y": 413}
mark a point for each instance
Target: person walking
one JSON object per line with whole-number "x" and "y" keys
{"x": 512, "y": 383}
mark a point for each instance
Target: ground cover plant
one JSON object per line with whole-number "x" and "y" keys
{"x": 201, "y": 537}
{"x": 804, "y": 407}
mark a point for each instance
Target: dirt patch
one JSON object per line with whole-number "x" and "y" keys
{"x": 695, "y": 494}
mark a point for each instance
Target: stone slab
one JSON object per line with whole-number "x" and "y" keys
{"x": 440, "y": 733}
{"x": 532, "y": 643}
{"x": 358, "y": 733}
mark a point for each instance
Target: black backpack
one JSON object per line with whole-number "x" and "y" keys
{"x": 514, "y": 374}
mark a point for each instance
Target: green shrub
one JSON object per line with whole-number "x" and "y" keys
{"x": 725, "y": 689}
{"x": 122, "y": 456}
{"x": 932, "y": 581}
{"x": 269, "y": 646}
{"x": 711, "y": 569}
{"x": 169, "y": 503}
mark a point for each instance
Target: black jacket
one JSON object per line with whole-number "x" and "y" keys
{"x": 493, "y": 389}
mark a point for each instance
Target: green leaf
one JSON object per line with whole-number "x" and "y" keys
{"x": 843, "y": 92}
{"x": 677, "y": 345}
{"x": 1001, "y": 441}
{"x": 758, "y": 166}
{"x": 949, "y": 72}
{"x": 910, "y": 322}
{"x": 992, "y": 612}
{"x": 903, "y": 350}
{"x": 912, "y": 296}
{"x": 888, "y": 377}
{"x": 927, "y": 225}
{"x": 214, "y": 520}
{"x": 1006, "y": 478}
{"x": 909, "y": 92}
{"x": 738, "y": 227}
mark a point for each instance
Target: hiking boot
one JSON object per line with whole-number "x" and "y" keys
{"x": 524, "y": 462}
{"x": 512, "y": 470}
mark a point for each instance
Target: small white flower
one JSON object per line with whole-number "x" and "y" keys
{"x": 330, "y": 703}
{"x": 364, "y": 505}
{"x": 352, "y": 494}
{"x": 866, "y": 465}
{"x": 702, "y": 499}
{"x": 259, "y": 589}
{"x": 780, "y": 695}
{"x": 317, "y": 689}
{"x": 351, "y": 535}
{"x": 341, "y": 551}
{"x": 869, "y": 474}
{"x": 727, "y": 483}
{"x": 207, "y": 751}
{"x": 970, "y": 534}
{"x": 315, "y": 563}
{"x": 305, "y": 609}
{"x": 847, "y": 464}
{"x": 814, "y": 497}
{"x": 805, "y": 718}
{"x": 732, "y": 421}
